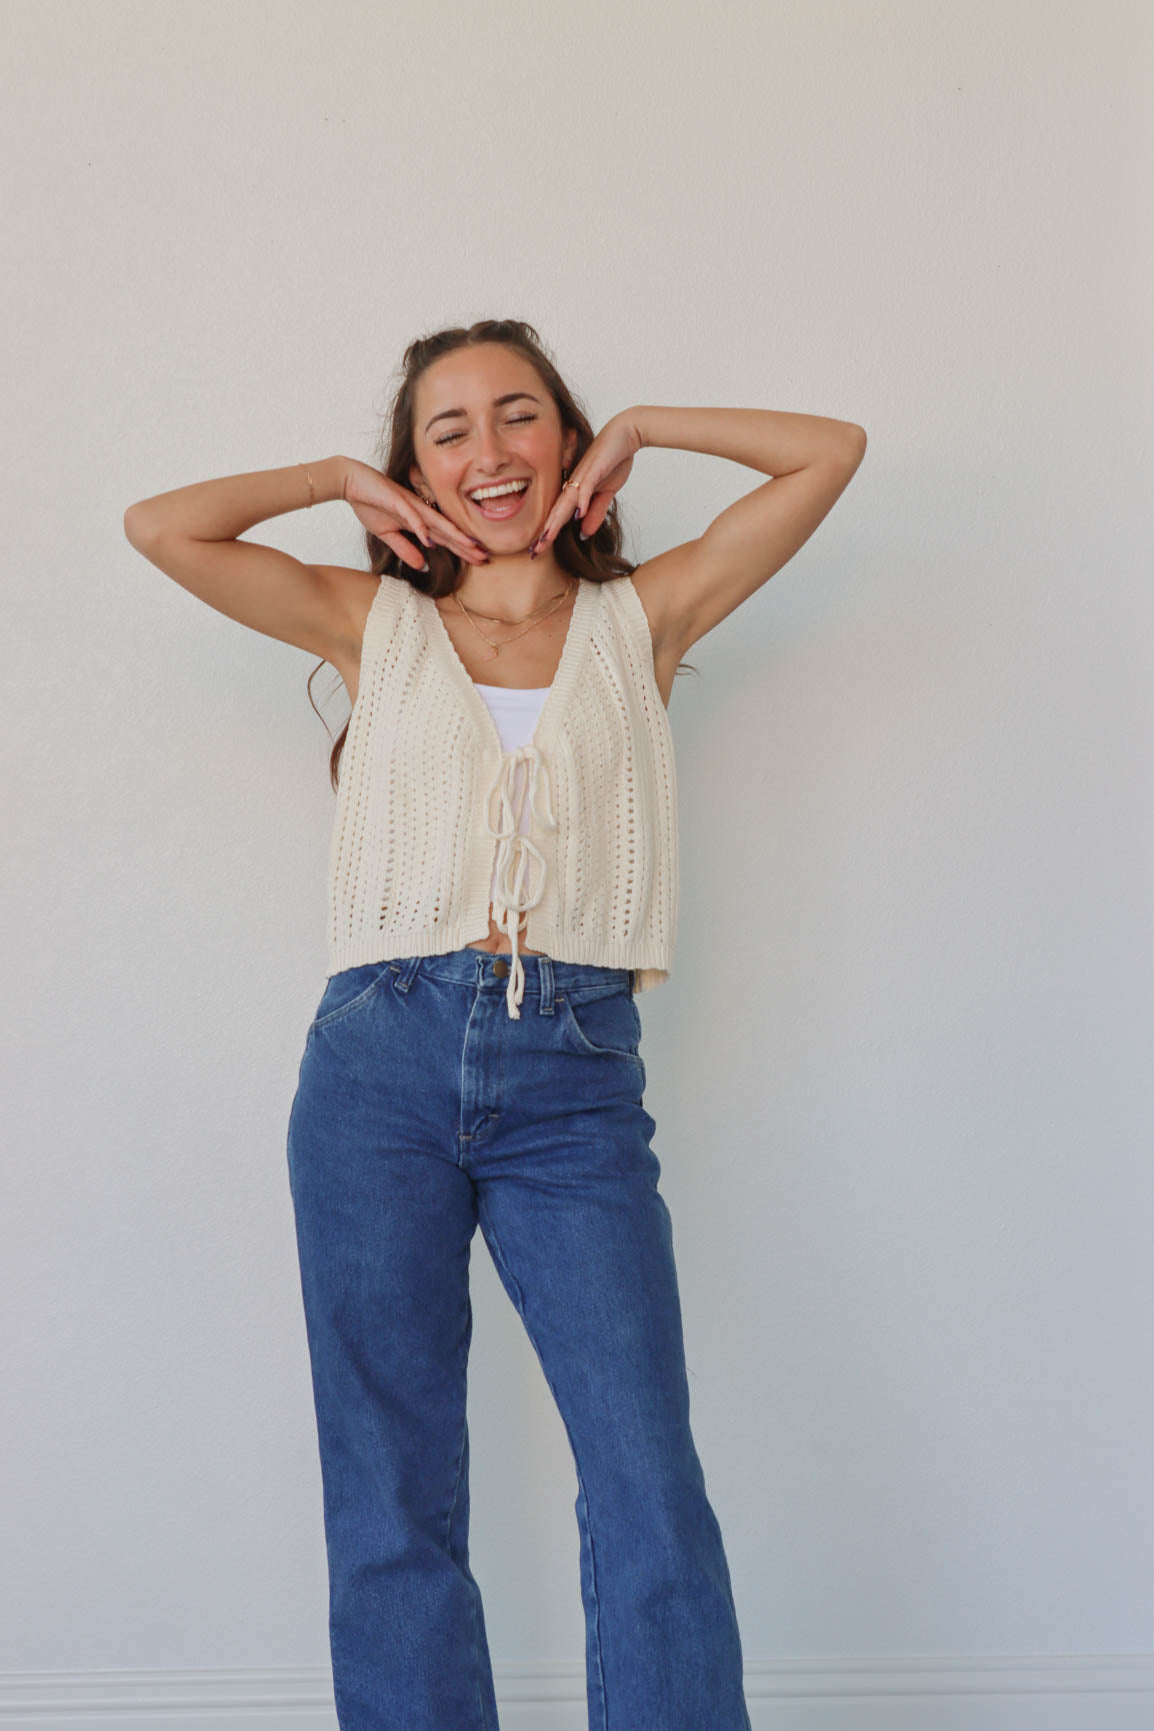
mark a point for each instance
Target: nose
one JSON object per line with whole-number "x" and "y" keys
{"x": 492, "y": 449}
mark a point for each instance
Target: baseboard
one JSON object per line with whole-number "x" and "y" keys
{"x": 1006, "y": 1692}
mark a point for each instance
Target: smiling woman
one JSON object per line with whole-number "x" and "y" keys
{"x": 509, "y": 756}
{"x": 476, "y": 408}
{"x": 498, "y": 439}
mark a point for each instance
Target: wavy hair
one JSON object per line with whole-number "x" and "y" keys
{"x": 599, "y": 558}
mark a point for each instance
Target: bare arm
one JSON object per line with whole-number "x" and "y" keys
{"x": 221, "y": 510}
{"x": 811, "y": 460}
{"x": 191, "y": 535}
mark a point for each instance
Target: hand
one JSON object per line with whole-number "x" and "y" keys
{"x": 388, "y": 509}
{"x": 602, "y": 472}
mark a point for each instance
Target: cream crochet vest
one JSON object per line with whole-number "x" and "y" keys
{"x": 429, "y": 804}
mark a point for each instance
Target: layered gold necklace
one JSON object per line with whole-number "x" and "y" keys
{"x": 543, "y": 613}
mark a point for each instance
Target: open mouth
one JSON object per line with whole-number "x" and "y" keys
{"x": 498, "y": 509}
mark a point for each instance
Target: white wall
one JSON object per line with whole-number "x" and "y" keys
{"x": 902, "y": 1070}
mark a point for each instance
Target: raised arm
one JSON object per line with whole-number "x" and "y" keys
{"x": 811, "y": 460}
{"x": 192, "y": 535}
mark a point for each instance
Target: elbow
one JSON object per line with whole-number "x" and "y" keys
{"x": 854, "y": 443}
{"x": 134, "y": 526}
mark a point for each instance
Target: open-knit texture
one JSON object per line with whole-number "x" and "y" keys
{"x": 430, "y": 806}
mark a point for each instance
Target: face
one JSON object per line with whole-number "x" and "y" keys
{"x": 466, "y": 438}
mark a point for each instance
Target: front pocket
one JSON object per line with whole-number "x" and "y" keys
{"x": 608, "y": 1026}
{"x": 347, "y": 991}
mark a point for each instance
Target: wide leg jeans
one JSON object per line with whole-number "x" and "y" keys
{"x": 422, "y": 1110}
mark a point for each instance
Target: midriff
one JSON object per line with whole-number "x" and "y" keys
{"x": 498, "y": 942}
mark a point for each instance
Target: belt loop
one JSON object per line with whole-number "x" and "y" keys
{"x": 545, "y": 974}
{"x": 405, "y": 971}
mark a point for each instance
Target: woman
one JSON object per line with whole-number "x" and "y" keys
{"x": 502, "y": 882}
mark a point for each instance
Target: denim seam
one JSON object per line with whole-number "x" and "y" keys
{"x": 460, "y": 1458}
{"x": 519, "y": 1300}
{"x": 464, "y": 1138}
{"x": 462, "y": 1356}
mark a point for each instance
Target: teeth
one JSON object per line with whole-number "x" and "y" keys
{"x": 499, "y": 492}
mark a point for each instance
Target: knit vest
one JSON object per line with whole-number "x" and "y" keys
{"x": 430, "y": 806}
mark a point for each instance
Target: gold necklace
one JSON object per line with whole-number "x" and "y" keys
{"x": 550, "y": 607}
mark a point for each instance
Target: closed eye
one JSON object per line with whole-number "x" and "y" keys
{"x": 447, "y": 436}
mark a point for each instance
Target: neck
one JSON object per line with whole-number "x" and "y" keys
{"x": 512, "y": 589}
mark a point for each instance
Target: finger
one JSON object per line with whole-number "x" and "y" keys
{"x": 569, "y": 500}
{"x": 438, "y": 525}
{"x": 542, "y": 538}
{"x": 594, "y": 514}
{"x": 551, "y": 531}
{"x": 566, "y": 502}
{"x": 572, "y": 508}
{"x": 466, "y": 549}
{"x": 404, "y": 549}
{"x": 416, "y": 526}
{"x": 475, "y": 555}
{"x": 559, "y": 515}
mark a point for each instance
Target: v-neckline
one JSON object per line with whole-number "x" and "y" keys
{"x": 576, "y": 635}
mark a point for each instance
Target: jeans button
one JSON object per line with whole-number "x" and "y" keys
{"x": 500, "y": 969}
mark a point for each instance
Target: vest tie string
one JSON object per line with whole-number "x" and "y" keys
{"x": 516, "y": 849}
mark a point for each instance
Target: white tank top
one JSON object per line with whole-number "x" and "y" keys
{"x": 515, "y": 714}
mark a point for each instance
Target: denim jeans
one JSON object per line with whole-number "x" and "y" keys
{"x": 423, "y": 1108}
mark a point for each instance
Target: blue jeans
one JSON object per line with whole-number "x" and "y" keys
{"x": 423, "y": 1108}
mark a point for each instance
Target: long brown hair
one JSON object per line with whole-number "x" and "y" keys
{"x": 599, "y": 558}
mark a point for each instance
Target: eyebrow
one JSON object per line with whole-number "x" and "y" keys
{"x": 498, "y": 402}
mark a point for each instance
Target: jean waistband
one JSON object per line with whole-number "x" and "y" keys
{"x": 488, "y": 970}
